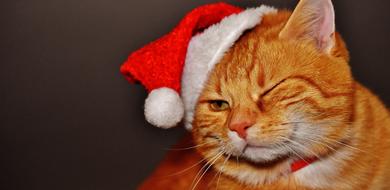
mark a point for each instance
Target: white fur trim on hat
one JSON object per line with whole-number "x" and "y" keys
{"x": 164, "y": 108}
{"x": 207, "y": 49}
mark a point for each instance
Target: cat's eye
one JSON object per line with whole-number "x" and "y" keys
{"x": 219, "y": 105}
{"x": 272, "y": 88}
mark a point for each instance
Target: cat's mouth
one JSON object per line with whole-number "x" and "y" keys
{"x": 250, "y": 151}
{"x": 258, "y": 156}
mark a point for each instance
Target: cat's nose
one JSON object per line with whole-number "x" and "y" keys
{"x": 240, "y": 128}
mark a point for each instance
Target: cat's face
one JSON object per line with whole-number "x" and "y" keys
{"x": 272, "y": 99}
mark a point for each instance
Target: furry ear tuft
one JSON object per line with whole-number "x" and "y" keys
{"x": 312, "y": 20}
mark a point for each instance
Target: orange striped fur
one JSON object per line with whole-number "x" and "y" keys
{"x": 300, "y": 102}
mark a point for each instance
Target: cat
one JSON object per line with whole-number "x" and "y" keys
{"x": 282, "y": 111}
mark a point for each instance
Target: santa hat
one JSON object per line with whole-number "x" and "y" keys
{"x": 174, "y": 68}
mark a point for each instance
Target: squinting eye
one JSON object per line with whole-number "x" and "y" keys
{"x": 219, "y": 105}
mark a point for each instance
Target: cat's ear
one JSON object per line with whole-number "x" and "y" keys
{"x": 312, "y": 20}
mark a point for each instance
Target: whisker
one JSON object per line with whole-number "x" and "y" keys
{"x": 337, "y": 141}
{"x": 273, "y": 130}
{"x": 315, "y": 141}
{"x": 326, "y": 145}
{"x": 191, "y": 147}
{"x": 220, "y": 172}
{"x": 338, "y": 160}
{"x": 311, "y": 123}
{"x": 205, "y": 171}
{"x": 302, "y": 146}
{"x": 325, "y": 138}
{"x": 186, "y": 169}
{"x": 294, "y": 152}
{"x": 344, "y": 144}
{"x": 205, "y": 165}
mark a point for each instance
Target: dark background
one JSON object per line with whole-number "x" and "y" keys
{"x": 69, "y": 120}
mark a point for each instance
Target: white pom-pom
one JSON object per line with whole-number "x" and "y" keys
{"x": 164, "y": 108}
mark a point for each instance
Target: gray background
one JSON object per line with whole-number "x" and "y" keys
{"x": 69, "y": 120}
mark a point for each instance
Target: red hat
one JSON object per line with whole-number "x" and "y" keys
{"x": 174, "y": 67}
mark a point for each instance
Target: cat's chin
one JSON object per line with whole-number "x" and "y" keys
{"x": 262, "y": 155}
{"x": 255, "y": 152}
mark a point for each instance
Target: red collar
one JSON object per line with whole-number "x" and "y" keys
{"x": 299, "y": 164}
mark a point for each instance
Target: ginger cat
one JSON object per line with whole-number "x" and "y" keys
{"x": 282, "y": 111}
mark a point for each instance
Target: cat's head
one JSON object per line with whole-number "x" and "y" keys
{"x": 283, "y": 91}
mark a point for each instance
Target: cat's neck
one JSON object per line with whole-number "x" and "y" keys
{"x": 324, "y": 171}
